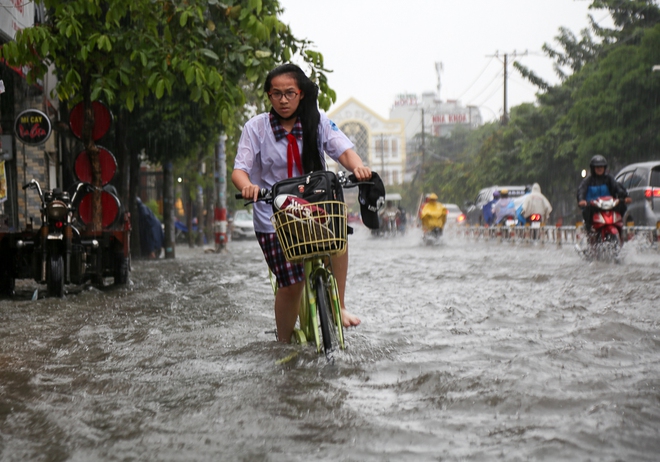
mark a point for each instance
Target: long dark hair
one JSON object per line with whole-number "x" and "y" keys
{"x": 308, "y": 112}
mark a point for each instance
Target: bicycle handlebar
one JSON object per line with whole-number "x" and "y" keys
{"x": 265, "y": 195}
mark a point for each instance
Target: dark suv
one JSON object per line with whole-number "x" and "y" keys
{"x": 474, "y": 215}
{"x": 642, "y": 181}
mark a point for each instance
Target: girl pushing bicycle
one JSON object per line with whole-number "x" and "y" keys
{"x": 289, "y": 141}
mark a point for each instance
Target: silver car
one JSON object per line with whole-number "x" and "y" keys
{"x": 242, "y": 226}
{"x": 642, "y": 181}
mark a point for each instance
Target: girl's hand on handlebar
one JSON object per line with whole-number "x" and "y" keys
{"x": 362, "y": 173}
{"x": 251, "y": 192}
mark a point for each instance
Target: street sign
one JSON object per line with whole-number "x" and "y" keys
{"x": 32, "y": 127}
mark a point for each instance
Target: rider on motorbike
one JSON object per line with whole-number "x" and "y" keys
{"x": 600, "y": 184}
{"x": 434, "y": 214}
{"x": 503, "y": 208}
{"x": 390, "y": 212}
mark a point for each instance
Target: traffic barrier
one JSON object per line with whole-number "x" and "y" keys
{"x": 559, "y": 235}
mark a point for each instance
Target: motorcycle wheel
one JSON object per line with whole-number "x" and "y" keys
{"x": 55, "y": 280}
{"x": 610, "y": 248}
{"x": 121, "y": 269}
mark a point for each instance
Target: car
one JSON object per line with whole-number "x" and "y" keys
{"x": 474, "y": 214}
{"x": 455, "y": 215}
{"x": 642, "y": 181}
{"x": 242, "y": 226}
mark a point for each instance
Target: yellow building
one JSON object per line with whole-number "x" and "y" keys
{"x": 381, "y": 143}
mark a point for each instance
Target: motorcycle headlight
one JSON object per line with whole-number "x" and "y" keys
{"x": 56, "y": 211}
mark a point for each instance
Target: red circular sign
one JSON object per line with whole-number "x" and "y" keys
{"x": 83, "y": 167}
{"x": 102, "y": 120}
{"x": 109, "y": 204}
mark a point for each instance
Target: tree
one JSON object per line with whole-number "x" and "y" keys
{"x": 126, "y": 51}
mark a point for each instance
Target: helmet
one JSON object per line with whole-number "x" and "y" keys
{"x": 504, "y": 192}
{"x": 496, "y": 194}
{"x": 432, "y": 197}
{"x": 597, "y": 161}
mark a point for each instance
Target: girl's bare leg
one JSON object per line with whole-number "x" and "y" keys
{"x": 287, "y": 304}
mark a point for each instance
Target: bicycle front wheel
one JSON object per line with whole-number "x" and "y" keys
{"x": 328, "y": 327}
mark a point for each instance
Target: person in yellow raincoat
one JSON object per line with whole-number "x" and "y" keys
{"x": 433, "y": 216}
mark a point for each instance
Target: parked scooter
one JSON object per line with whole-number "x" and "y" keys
{"x": 605, "y": 239}
{"x": 53, "y": 243}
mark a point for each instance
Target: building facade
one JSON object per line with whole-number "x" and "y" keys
{"x": 380, "y": 143}
{"x": 20, "y": 162}
{"x": 432, "y": 115}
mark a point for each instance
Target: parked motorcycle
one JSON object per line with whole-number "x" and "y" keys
{"x": 604, "y": 240}
{"x": 54, "y": 241}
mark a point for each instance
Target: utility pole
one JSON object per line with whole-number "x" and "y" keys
{"x": 382, "y": 154}
{"x": 220, "y": 212}
{"x": 505, "y": 112}
{"x": 421, "y": 174}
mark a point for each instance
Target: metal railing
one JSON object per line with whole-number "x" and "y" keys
{"x": 557, "y": 235}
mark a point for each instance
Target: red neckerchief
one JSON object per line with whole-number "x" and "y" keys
{"x": 293, "y": 155}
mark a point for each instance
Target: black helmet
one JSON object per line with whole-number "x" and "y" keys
{"x": 597, "y": 161}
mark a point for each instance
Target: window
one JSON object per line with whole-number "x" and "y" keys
{"x": 358, "y": 135}
{"x": 395, "y": 148}
{"x": 655, "y": 178}
{"x": 638, "y": 178}
{"x": 624, "y": 179}
{"x": 381, "y": 146}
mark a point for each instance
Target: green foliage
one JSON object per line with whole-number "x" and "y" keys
{"x": 192, "y": 62}
{"x": 608, "y": 102}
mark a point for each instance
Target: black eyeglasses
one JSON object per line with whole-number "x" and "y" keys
{"x": 289, "y": 95}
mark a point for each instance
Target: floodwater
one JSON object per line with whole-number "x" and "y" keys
{"x": 467, "y": 351}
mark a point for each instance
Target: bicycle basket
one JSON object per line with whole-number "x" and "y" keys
{"x": 303, "y": 234}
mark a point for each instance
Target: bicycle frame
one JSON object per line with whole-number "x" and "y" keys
{"x": 311, "y": 237}
{"x": 308, "y": 314}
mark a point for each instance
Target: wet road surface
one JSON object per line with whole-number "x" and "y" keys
{"x": 467, "y": 351}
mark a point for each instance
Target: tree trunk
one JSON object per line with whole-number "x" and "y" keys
{"x": 123, "y": 160}
{"x": 189, "y": 217}
{"x": 200, "y": 215}
{"x": 93, "y": 153}
{"x": 168, "y": 209}
{"x": 136, "y": 249}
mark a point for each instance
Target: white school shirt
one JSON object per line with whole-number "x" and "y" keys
{"x": 264, "y": 158}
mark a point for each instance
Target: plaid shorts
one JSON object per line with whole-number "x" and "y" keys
{"x": 286, "y": 273}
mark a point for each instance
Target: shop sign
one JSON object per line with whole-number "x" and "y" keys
{"x": 440, "y": 119}
{"x": 32, "y": 127}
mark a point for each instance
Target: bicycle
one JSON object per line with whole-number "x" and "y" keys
{"x": 313, "y": 237}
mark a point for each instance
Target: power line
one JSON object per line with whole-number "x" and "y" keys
{"x": 494, "y": 79}
{"x": 505, "y": 115}
{"x": 475, "y": 80}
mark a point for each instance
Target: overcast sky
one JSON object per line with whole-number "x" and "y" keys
{"x": 381, "y": 48}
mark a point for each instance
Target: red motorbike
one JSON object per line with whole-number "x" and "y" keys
{"x": 605, "y": 239}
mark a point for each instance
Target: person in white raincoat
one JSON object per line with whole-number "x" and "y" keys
{"x": 536, "y": 202}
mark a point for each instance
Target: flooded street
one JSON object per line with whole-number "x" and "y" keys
{"x": 467, "y": 351}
